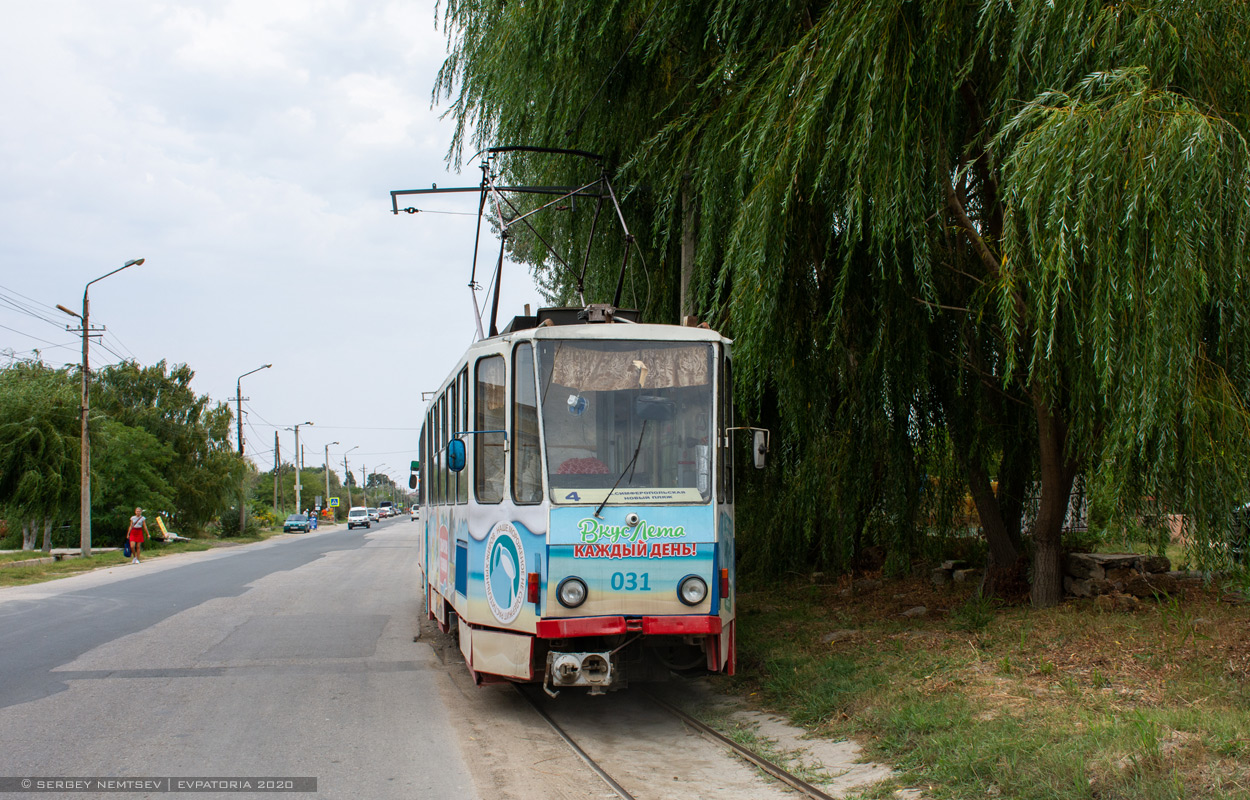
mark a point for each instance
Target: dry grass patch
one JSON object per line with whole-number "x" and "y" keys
{"x": 1069, "y": 702}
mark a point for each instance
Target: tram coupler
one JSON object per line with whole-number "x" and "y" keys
{"x": 592, "y": 670}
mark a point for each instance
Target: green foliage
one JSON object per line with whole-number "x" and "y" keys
{"x": 39, "y": 445}
{"x": 154, "y": 443}
{"x": 202, "y": 470}
{"x": 973, "y": 240}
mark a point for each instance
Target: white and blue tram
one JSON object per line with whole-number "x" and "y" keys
{"x": 576, "y": 483}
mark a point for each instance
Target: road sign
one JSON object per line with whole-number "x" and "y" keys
{"x": 334, "y": 502}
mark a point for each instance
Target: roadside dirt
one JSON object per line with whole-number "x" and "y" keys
{"x": 515, "y": 754}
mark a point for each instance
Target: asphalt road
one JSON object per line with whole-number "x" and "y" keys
{"x": 289, "y": 658}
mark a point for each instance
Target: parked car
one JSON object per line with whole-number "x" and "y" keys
{"x": 375, "y": 515}
{"x": 358, "y": 517}
{"x": 297, "y": 522}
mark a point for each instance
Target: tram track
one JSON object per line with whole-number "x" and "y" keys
{"x": 767, "y": 766}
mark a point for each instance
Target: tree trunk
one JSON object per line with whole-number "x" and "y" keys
{"x": 29, "y": 532}
{"x": 47, "y": 535}
{"x": 1003, "y": 551}
{"x": 1058, "y": 472}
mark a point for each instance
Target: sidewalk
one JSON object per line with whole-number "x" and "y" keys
{"x": 56, "y": 554}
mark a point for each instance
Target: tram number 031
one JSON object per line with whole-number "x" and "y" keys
{"x": 631, "y": 581}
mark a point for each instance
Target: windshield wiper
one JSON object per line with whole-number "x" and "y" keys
{"x": 628, "y": 468}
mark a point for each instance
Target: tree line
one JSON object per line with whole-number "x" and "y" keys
{"x": 155, "y": 443}
{"x": 965, "y": 249}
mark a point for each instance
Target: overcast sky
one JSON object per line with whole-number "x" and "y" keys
{"x": 246, "y": 151}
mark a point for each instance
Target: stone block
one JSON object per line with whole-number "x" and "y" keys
{"x": 918, "y": 611}
{"x": 1078, "y": 587}
{"x": 966, "y": 575}
{"x": 1083, "y": 565}
{"x": 1154, "y": 564}
{"x": 940, "y": 577}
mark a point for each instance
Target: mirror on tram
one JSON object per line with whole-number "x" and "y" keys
{"x": 455, "y": 455}
{"x": 657, "y": 409}
{"x": 760, "y": 446}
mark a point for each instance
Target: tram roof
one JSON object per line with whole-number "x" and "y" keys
{"x": 562, "y": 323}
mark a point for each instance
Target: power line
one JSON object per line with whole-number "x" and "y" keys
{"x": 30, "y": 335}
{"x": 21, "y": 309}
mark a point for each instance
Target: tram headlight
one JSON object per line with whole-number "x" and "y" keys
{"x": 571, "y": 592}
{"x": 692, "y": 590}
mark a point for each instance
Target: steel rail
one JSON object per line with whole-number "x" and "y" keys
{"x": 777, "y": 772}
{"x": 621, "y": 791}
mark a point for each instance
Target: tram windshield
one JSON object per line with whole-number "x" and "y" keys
{"x": 637, "y": 412}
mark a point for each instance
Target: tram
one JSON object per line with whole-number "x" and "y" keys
{"x": 576, "y": 478}
{"x": 576, "y": 483}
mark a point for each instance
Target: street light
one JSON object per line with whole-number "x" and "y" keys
{"x": 238, "y": 399}
{"x": 328, "y": 473}
{"x": 347, "y": 478}
{"x": 85, "y": 480}
{"x": 298, "y": 487}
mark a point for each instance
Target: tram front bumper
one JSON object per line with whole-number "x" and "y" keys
{"x": 678, "y": 625}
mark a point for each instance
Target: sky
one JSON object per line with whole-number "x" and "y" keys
{"x": 245, "y": 150}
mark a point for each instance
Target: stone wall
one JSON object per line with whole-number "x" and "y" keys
{"x": 1094, "y": 574}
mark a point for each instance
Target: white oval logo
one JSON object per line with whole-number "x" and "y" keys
{"x": 504, "y": 572}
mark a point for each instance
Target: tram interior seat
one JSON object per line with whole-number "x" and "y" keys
{"x": 582, "y": 466}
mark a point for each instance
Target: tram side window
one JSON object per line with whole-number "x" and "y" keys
{"x": 527, "y": 480}
{"x": 489, "y": 401}
{"x": 440, "y": 419}
{"x": 448, "y": 475}
{"x": 462, "y": 424}
{"x": 726, "y": 470}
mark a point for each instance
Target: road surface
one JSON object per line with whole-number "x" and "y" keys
{"x": 288, "y": 658}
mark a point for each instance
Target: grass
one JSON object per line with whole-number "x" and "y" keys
{"x": 39, "y": 573}
{"x": 979, "y": 700}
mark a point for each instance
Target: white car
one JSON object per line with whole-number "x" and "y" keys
{"x": 358, "y": 517}
{"x": 414, "y": 513}
{"x": 374, "y": 515}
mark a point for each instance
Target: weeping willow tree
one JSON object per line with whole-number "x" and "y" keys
{"x": 999, "y": 242}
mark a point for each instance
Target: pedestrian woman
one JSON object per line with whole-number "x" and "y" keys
{"x": 138, "y": 533}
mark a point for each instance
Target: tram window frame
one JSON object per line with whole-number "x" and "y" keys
{"x": 453, "y": 413}
{"x": 438, "y": 451}
{"x": 420, "y": 498}
{"x": 484, "y": 453}
{"x": 524, "y": 491}
{"x": 462, "y": 423}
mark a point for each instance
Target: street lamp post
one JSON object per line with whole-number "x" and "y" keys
{"x": 238, "y": 399}
{"x": 347, "y": 478}
{"x": 85, "y": 479}
{"x": 328, "y": 474}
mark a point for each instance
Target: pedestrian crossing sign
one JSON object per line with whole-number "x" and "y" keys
{"x": 334, "y": 502}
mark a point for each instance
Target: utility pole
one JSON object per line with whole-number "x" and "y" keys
{"x": 364, "y": 484}
{"x": 85, "y": 477}
{"x": 238, "y": 400}
{"x": 298, "y": 487}
{"x": 347, "y": 475}
{"x": 328, "y": 473}
{"x": 277, "y": 468}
